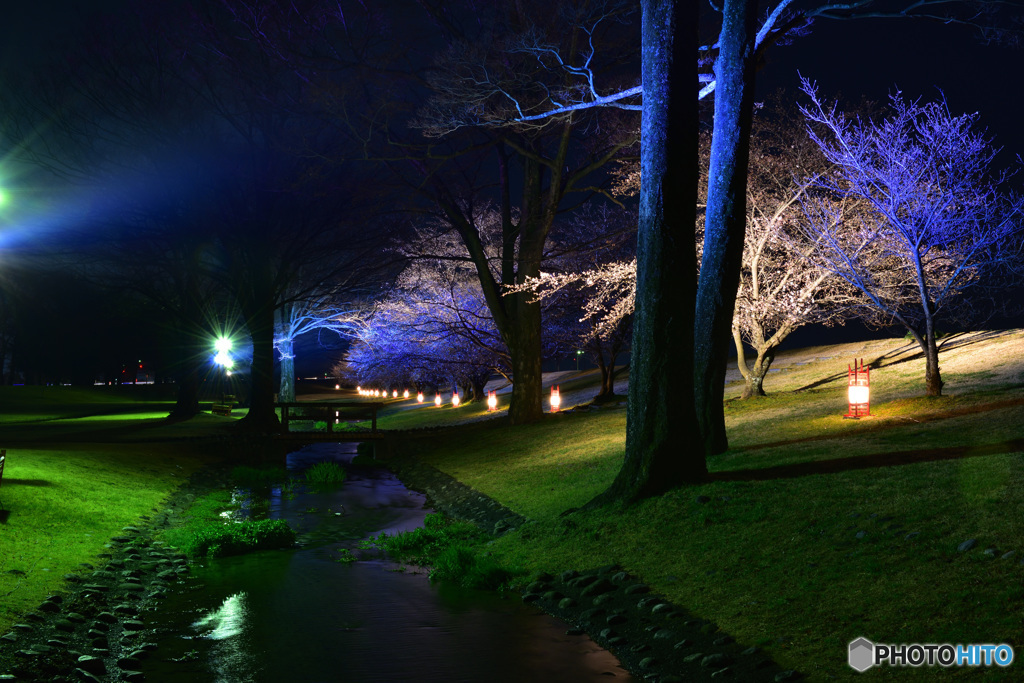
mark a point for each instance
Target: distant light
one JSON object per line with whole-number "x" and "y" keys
{"x": 337, "y": 386}
{"x": 222, "y": 345}
{"x": 437, "y": 400}
{"x": 394, "y": 393}
{"x": 455, "y": 399}
{"x": 405, "y": 394}
{"x": 419, "y": 397}
{"x": 224, "y": 359}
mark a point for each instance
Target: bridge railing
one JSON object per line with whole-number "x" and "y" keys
{"x": 329, "y": 412}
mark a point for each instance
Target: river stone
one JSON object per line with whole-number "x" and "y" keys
{"x": 139, "y": 653}
{"x": 93, "y": 665}
{"x": 569, "y": 574}
{"x": 724, "y": 640}
{"x": 644, "y": 602}
{"x": 598, "y": 587}
{"x": 583, "y": 581}
{"x": 694, "y": 657}
{"x": 750, "y": 651}
{"x": 681, "y": 645}
{"x": 566, "y": 603}
{"x": 614, "y": 619}
{"x": 83, "y": 675}
{"x": 661, "y": 607}
{"x": 96, "y": 587}
{"x": 648, "y": 663}
{"x": 125, "y": 609}
{"x": 530, "y": 597}
{"x": 130, "y": 587}
{"x": 106, "y": 617}
{"x": 722, "y": 673}
{"x": 1007, "y": 556}
{"x": 63, "y": 625}
{"x": 133, "y": 625}
{"x": 967, "y": 545}
{"x": 127, "y": 662}
{"x": 133, "y": 676}
{"x": 22, "y": 627}
{"x": 608, "y": 633}
{"x": 716, "y": 659}
{"x": 73, "y": 578}
{"x": 51, "y": 607}
{"x": 637, "y": 589}
{"x": 10, "y": 637}
{"x": 553, "y": 596}
{"x": 602, "y": 599}
{"x": 620, "y": 577}
{"x": 664, "y": 634}
{"x": 912, "y": 535}
{"x": 35, "y": 616}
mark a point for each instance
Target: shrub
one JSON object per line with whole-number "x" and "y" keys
{"x": 448, "y": 547}
{"x": 219, "y": 539}
{"x": 325, "y": 473}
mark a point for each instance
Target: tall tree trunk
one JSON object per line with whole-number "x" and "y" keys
{"x": 286, "y": 390}
{"x": 661, "y": 422}
{"x": 187, "y": 404}
{"x": 725, "y": 221}
{"x": 258, "y": 303}
{"x": 524, "y": 346}
{"x": 932, "y": 377}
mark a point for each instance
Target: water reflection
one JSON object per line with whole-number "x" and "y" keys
{"x": 303, "y": 616}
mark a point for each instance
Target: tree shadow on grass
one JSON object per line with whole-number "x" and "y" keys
{"x": 871, "y": 461}
{"x": 911, "y": 351}
{"x": 4, "y": 514}
{"x": 11, "y": 481}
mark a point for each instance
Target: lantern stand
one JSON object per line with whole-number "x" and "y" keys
{"x": 858, "y": 392}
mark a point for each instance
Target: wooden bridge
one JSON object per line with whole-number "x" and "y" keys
{"x": 330, "y": 412}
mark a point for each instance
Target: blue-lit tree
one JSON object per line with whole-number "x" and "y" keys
{"x": 937, "y": 234}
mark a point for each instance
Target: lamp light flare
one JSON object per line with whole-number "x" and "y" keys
{"x": 455, "y": 399}
{"x": 405, "y": 394}
{"x": 394, "y": 393}
{"x": 556, "y": 399}
{"x": 492, "y": 401}
{"x": 419, "y": 397}
{"x": 437, "y": 400}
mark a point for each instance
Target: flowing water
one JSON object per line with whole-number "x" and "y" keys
{"x": 304, "y": 616}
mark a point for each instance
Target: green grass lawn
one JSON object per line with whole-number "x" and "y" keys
{"x": 63, "y": 505}
{"x": 814, "y": 530}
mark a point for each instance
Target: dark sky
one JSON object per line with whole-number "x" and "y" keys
{"x": 860, "y": 58}
{"x": 874, "y": 57}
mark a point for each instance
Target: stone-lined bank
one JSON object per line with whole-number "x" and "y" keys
{"x": 95, "y": 629}
{"x": 652, "y": 638}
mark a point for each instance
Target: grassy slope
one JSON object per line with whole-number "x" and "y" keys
{"x": 69, "y": 485}
{"x": 774, "y": 556}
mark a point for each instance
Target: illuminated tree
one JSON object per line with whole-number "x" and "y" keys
{"x": 937, "y": 235}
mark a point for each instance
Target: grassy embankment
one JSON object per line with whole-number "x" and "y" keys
{"x": 77, "y": 472}
{"x": 813, "y": 530}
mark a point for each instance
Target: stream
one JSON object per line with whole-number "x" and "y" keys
{"x": 303, "y": 615}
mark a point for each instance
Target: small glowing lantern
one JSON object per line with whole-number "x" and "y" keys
{"x": 492, "y": 401}
{"x": 337, "y": 386}
{"x": 394, "y": 393}
{"x": 437, "y": 400}
{"x": 556, "y": 399}
{"x": 405, "y": 394}
{"x": 455, "y": 399}
{"x": 419, "y": 397}
{"x": 359, "y": 389}
{"x": 858, "y": 390}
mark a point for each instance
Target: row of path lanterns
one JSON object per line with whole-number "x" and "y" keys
{"x": 492, "y": 397}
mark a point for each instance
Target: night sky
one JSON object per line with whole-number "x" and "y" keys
{"x": 854, "y": 59}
